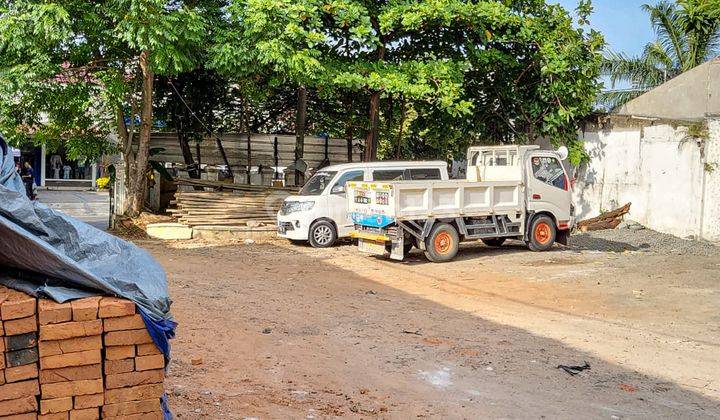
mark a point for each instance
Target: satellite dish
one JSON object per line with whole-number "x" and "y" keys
{"x": 563, "y": 152}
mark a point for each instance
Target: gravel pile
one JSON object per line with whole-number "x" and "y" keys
{"x": 644, "y": 240}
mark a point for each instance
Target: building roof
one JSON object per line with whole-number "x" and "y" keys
{"x": 692, "y": 95}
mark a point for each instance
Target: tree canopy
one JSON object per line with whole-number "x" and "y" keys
{"x": 413, "y": 78}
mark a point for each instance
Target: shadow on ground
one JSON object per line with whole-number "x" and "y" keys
{"x": 284, "y": 334}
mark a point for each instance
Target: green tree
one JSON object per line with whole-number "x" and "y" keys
{"x": 79, "y": 72}
{"x": 688, "y": 34}
{"x": 478, "y": 70}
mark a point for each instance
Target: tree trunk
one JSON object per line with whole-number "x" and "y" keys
{"x": 138, "y": 185}
{"x": 300, "y": 117}
{"x": 349, "y": 139}
{"x": 371, "y": 140}
{"x": 400, "y": 130}
{"x": 187, "y": 154}
{"x": 246, "y": 117}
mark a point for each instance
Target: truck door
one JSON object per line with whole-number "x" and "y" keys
{"x": 337, "y": 201}
{"x": 548, "y": 187}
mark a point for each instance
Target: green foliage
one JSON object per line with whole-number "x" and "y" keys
{"x": 469, "y": 71}
{"x": 66, "y": 66}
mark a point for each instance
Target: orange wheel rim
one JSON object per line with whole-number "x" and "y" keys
{"x": 443, "y": 242}
{"x": 542, "y": 233}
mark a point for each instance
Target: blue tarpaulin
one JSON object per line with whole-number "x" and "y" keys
{"x": 47, "y": 253}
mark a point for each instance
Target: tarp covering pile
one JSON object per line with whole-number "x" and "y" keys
{"x": 46, "y": 253}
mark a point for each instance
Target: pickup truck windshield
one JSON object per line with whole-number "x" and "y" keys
{"x": 317, "y": 184}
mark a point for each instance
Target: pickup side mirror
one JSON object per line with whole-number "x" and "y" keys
{"x": 338, "y": 189}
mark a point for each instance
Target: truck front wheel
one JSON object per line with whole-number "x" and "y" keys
{"x": 442, "y": 244}
{"x": 542, "y": 234}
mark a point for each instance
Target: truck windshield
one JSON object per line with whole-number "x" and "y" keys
{"x": 317, "y": 184}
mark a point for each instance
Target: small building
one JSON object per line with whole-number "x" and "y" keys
{"x": 56, "y": 170}
{"x": 660, "y": 151}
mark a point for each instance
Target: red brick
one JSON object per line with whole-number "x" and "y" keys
{"x": 70, "y": 330}
{"x": 147, "y": 349}
{"x": 85, "y": 414}
{"x": 74, "y": 388}
{"x": 20, "y": 326}
{"x": 25, "y": 416}
{"x": 112, "y": 307}
{"x": 56, "y": 405}
{"x": 122, "y": 380}
{"x": 132, "y": 322}
{"x": 18, "y": 406}
{"x": 19, "y": 390}
{"x": 113, "y": 367}
{"x": 56, "y": 416}
{"x": 18, "y": 305}
{"x": 71, "y": 345}
{"x": 136, "y": 393}
{"x": 119, "y": 352}
{"x": 85, "y": 309}
{"x": 88, "y": 401}
{"x": 131, "y": 407}
{"x": 81, "y": 358}
{"x": 75, "y": 373}
{"x": 21, "y": 373}
{"x": 143, "y": 416}
{"x": 156, "y": 361}
{"x": 126, "y": 338}
{"x": 51, "y": 312}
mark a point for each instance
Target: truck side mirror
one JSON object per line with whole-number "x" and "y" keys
{"x": 338, "y": 189}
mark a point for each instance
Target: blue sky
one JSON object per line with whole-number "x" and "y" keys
{"x": 625, "y": 26}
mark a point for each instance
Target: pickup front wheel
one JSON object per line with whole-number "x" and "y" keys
{"x": 542, "y": 234}
{"x": 442, "y": 244}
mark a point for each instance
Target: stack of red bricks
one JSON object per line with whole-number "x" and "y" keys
{"x": 95, "y": 355}
{"x": 19, "y": 374}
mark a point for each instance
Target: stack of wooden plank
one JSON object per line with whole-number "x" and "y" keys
{"x": 96, "y": 360}
{"x": 254, "y": 207}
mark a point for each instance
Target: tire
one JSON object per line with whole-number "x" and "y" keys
{"x": 442, "y": 244}
{"x": 494, "y": 242}
{"x": 542, "y": 234}
{"x": 322, "y": 234}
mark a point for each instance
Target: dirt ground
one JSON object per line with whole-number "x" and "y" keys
{"x": 284, "y": 331}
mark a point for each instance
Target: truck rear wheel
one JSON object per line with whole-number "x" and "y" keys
{"x": 542, "y": 234}
{"x": 442, "y": 244}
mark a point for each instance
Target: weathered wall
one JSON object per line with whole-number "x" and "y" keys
{"x": 657, "y": 167}
{"x": 711, "y": 199}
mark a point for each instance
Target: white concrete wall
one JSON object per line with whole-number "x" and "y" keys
{"x": 711, "y": 201}
{"x": 661, "y": 171}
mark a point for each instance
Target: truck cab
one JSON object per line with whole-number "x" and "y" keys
{"x": 511, "y": 192}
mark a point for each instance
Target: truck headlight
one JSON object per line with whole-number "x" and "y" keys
{"x": 296, "y": 206}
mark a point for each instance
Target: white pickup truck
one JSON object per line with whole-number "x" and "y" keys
{"x": 517, "y": 192}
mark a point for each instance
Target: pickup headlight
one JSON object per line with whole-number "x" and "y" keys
{"x": 295, "y": 206}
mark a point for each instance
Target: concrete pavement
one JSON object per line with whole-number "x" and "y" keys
{"x": 89, "y": 206}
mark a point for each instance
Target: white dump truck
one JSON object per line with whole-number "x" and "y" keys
{"x": 511, "y": 192}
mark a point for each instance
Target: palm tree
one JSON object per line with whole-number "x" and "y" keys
{"x": 688, "y": 34}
